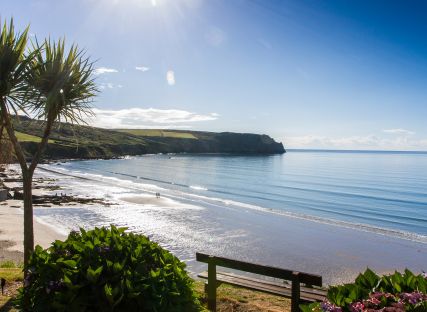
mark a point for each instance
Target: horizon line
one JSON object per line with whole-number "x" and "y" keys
{"x": 354, "y": 150}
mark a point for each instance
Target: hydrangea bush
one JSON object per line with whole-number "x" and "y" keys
{"x": 371, "y": 293}
{"x": 107, "y": 269}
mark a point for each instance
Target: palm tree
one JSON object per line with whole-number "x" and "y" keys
{"x": 14, "y": 68}
{"x": 49, "y": 83}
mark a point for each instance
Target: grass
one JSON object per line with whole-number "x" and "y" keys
{"x": 233, "y": 298}
{"x": 23, "y": 137}
{"x": 10, "y": 264}
{"x": 14, "y": 277}
{"x": 159, "y": 133}
{"x": 12, "y": 274}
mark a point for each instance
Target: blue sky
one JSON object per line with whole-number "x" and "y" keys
{"x": 313, "y": 74}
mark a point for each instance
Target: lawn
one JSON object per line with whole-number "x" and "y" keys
{"x": 236, "y": 299}
{"x": 13, "y": 277}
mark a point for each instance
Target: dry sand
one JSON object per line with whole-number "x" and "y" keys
{"x": 12, "y": 231}
{"x": 12, "y": 221}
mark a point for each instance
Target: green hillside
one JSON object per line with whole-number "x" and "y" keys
{"x": 159, "y": 133}
{"x": 72, "y": 141}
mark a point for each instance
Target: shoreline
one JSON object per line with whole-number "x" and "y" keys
{"x": 12, "y": 213}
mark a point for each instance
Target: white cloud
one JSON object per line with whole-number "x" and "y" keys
{"x": 142, "y": 68}
{"x": 399, "y": 131}
{"x": 368, "y": 142}
{"x": 170, "y": 77}
{"x": 146, "y": 118}
{"x": 109, "y": 85}
{"x": 104, "y": 70}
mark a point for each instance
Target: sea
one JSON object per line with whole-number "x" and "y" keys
{"x": 332, "y": 213}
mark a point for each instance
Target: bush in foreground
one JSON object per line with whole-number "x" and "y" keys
{"x": 107, "y": 269}
{"x": 370, "y": 293}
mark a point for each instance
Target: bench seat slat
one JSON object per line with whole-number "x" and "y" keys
{"x": 306, "y": 278}
{"x": 272, "y": 287}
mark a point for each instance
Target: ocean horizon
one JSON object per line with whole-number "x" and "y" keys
{"x": 368, "y": 151}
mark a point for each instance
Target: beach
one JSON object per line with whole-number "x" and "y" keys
{"x": 12, "y": 218}
{"x": 12, "y": 232}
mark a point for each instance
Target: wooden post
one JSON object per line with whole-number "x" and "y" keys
{"x": 211, "y": 284}
{"x": 295, "y": 292}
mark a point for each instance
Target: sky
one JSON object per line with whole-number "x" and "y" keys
{"x": 311, "y": 74}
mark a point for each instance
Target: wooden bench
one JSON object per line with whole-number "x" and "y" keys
{"x": 297, "y": 292}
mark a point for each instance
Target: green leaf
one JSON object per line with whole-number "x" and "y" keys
{"x": 70, "y": 263}
{"x": 93, "y": 275}
{"x": 108, "y": 291}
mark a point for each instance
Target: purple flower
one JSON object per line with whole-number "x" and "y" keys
{"x": 329, "y": 307}
{"x": 54, "y": 286}
{"x": 102, "y": 249}
{"x": 412, "y": 298}
{"x": 29, "y": 276}
{"x": 27, "y": 281}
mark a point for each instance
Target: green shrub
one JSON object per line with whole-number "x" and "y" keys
{"x": 107, "y": 269}
{"x": 397, "y": 292}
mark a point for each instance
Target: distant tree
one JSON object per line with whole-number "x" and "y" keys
{"x": 48, "y": 83}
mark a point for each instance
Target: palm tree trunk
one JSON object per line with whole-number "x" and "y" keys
{"x": 27, "y": 177}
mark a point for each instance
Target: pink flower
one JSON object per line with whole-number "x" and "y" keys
{"x": 357, "y": 307}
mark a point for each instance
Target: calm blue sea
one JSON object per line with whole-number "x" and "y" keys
{"x": 329, "y": 213}
{"x": 382, "y": 190}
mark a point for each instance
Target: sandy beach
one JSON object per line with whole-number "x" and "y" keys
{"x": 11, "y": 212}
{"x": 12, "y": 232}
{"x": 12, "y": 220}
{"x": 12, "y": 216}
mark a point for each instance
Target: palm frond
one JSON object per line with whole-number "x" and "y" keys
{"x": 64, "y": 80}
{"x": 14, "y": 66}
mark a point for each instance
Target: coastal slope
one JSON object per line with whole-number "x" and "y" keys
{"x": 85, "y": 142}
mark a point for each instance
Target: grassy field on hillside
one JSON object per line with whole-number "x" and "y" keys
{"x": 23, "y": 137}
{"x": 159, "y": 133}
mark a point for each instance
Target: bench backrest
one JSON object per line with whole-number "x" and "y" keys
{"x": 306, "y": 278}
